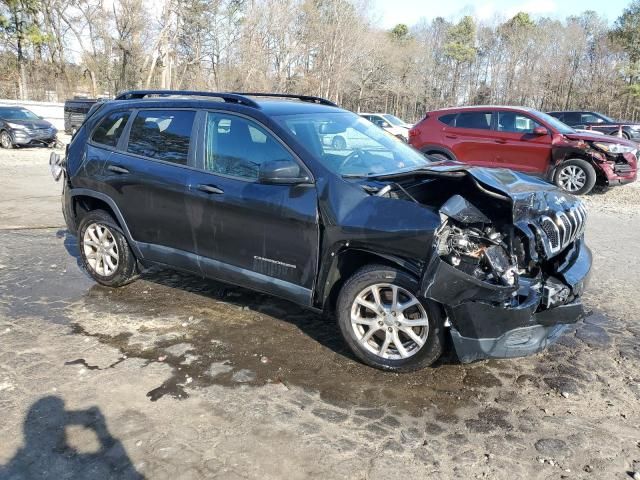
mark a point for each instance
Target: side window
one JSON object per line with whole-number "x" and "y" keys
{"x": 237, "y": 147}
{"x": 591, "y": 118}
{"x": 162, "y": 135}
{"x": 477, "y": 120}
{"x": 516, "y": 123}
{"x": 379, "y": 121}
{"x": 572, "y": 118}
{"x": 448, "y": 119}
{"x": 110, "y": 129}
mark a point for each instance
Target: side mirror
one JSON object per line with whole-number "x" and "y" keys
{"x": 540, "y": 131}
{"x": 384, "y": 125}
{"x": 281, "y": 172}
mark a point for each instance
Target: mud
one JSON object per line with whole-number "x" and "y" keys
{"x": 184, "y": 377}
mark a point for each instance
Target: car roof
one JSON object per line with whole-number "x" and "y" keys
{"x": 484, "y": 107}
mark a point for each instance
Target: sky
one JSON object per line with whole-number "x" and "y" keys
{"x": 388, "y": 13}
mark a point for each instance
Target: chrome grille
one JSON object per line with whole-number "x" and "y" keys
{"x": 563, "y": 227}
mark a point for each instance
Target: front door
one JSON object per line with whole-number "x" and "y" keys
{"x": 516, "y": 145}
{"x": 263, "y": 236}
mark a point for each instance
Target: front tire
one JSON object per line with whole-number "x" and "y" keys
{"x": 575, "y": 176}
{"x": 104, "y": 250}
{"x": 386, "y": 324}
{"x": 5, "y": 139}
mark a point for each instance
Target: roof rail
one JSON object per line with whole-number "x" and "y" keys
{"x": 227, "y": 97}
{"x": 303, "y": 98}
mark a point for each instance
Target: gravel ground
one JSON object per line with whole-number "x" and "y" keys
{"x": 177, "y": 377}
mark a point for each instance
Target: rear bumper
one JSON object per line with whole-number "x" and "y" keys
{"x": 485, "y": 325}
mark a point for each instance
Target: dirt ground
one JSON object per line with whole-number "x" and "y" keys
{"x": 178, "y": 377}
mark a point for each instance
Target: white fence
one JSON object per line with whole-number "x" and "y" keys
{"x": 53, "y": 112}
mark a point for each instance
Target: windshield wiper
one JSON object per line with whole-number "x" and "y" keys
{"x": 356, "y": 175}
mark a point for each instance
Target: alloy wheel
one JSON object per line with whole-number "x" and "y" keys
{"x": 389, "y": 321}
{"x": 572, "y": 178}
{"x": 5, "y": 140}
{"x": 100, "y": 249}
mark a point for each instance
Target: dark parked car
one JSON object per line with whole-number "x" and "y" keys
{"x": 600, "y": 123}
{"x": 75, "y": 111}
{"x": 240, "y": 188}
{"x": 19, "y": 126}
{"x": 529, "y": 141}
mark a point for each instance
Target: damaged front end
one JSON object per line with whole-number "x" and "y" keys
{"x": 509, "y": 284}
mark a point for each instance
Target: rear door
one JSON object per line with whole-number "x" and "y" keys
{"x": 148, "y": 179}
{"x": 470, "y": 137}
{"x": 517, "y": 147}
{"x": 262, "y": 236}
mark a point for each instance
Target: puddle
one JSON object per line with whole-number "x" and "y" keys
{"x": 210, "y": 333}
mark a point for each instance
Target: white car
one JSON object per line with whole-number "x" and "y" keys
{"x": 389, "y": 123}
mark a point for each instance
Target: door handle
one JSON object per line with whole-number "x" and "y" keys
{"x": 117, "y": 169}
{"x": 451, "y": 136}
{"x": 500, "y": 140}
{"x": 210, "y": 189}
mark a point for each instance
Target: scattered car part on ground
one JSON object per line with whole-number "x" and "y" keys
{"x": 22, "y": 127}
{"x": 389, "y": 123}
{"x": 242, "y": 188}
{"x": 528, "y": 141}
{"x": 598, "y": 122}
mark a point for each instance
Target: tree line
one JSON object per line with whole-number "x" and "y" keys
{"x": 52, "y": 49}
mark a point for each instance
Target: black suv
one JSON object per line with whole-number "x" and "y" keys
{"x": 242, "y": 188}
{"x": 599, "y": 123}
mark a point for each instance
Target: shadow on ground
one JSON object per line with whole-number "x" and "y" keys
{"x": 47, "y": 454}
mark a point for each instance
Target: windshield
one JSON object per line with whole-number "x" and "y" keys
{"x": 17, "y": 114}
{"x": 555, "y": 123}
{"x": 393, "y": 120}
{"x": 351, "y": 146}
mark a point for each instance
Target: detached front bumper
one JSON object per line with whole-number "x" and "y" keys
{"x": 620, "y": 173}
{"x": 484, "y": 324}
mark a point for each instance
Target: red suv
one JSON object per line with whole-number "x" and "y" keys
{"x": 528, "y": 141}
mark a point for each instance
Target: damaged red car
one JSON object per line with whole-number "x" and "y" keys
{"x": 528, "y": 141}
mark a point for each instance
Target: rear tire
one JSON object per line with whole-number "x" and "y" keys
{"x": 400, "y": 336}
{"x": 5, "y": 140}
{"x": 575, "y": 176}
{"x": 104, "y": 250}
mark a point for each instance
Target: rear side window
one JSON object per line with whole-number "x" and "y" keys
{"x": 448, "y": 119}
{"x": 477, "y": 120}
{"x": 162, "y": 135}
{"x": 110, "y": 129}
{"x": 572, "y": 118}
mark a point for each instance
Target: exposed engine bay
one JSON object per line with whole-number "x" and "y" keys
{"x": 521, "y": 246}
{"x": 478, "y": 252}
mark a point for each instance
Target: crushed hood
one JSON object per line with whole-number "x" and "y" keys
{"x": 594, "y": 137}
{"x": 530, "y": 196}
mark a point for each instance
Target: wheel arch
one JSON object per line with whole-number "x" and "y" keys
{"x": 341, "y": 265}
{"x": 85, "y": 200}
{"x": 431, "y": 149}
